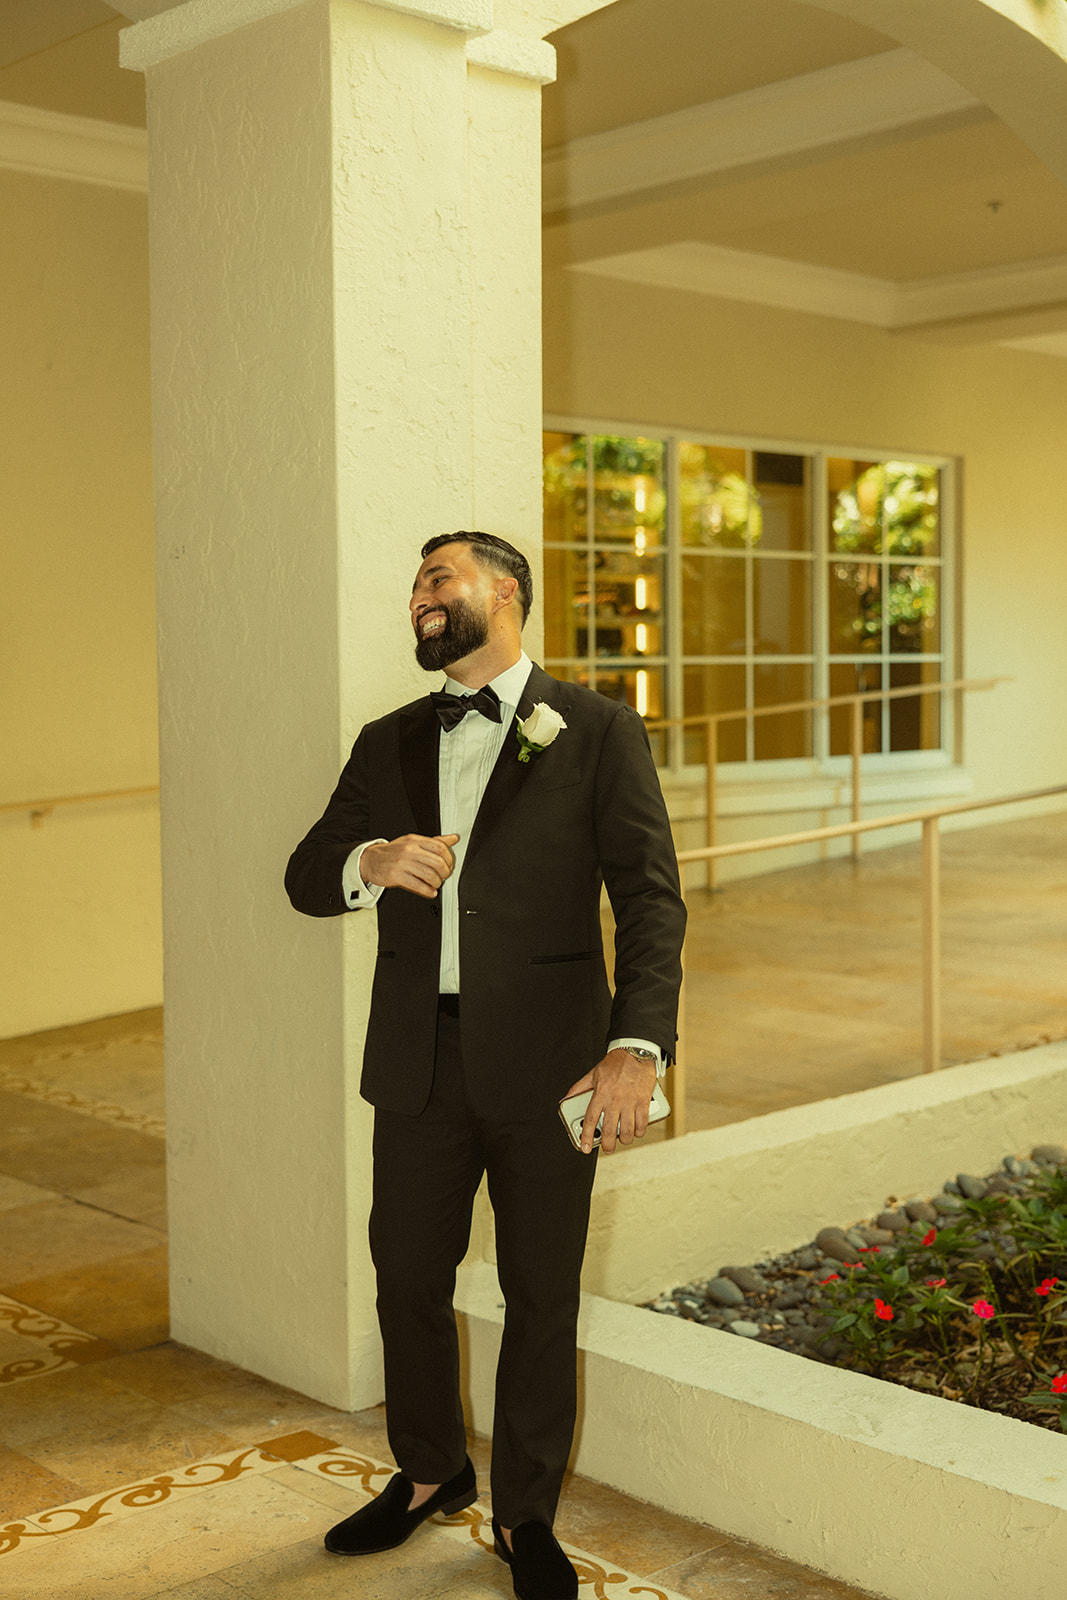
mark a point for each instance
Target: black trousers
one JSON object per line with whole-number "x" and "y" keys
{"x": 426, "y": 1172}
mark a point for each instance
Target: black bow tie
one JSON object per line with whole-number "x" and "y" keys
{"x": 452, "y": 708}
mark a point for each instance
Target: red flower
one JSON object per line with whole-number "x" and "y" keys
{"x": 870, "y": 1249}
{"x": 983, "y": 1309}
{"x": 937, "y": 1283}
{"x": 930, "y": 1237}
{"x": 883, "y": 1311}
{"x": 834, "y": 1277}
{"x": 855, "y": 1266}
{"x": 1046, "y": 1286}
{"x": 1059, "y": 1385}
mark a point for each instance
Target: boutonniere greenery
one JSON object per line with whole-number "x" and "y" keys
{"x": 539, "y": 730}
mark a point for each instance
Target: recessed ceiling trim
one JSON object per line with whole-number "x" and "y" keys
{"x": 759, "y": 279}
{"x": 857, "y": 99}
{"x": 82, "y": 149}
{"x": 1044, "y": 344}
{"x": 826, "y": 291}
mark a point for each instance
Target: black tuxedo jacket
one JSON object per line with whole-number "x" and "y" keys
{"x": 537, "y": 1012}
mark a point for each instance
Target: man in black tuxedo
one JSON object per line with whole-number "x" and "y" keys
{"x": 490, "y": 1003}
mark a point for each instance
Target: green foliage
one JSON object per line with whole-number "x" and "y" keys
{"x": 891, "y": 508}
{"x": 972, "y": 1309}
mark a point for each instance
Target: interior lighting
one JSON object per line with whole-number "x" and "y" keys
{"x": 639, "y": 541}
{"x": 642, "y": 694}
{"x": 641, "y": 594}
{"x": 639, "y": 499}
{"x": 641, "y": 638}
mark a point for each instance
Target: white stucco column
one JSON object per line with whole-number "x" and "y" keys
{"x": 346, "y": 360}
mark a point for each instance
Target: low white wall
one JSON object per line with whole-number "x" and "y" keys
{"x": 905, "y": 1495}
{"x": 902, "y": 1494}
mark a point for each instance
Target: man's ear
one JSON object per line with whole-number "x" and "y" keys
{"x": 504, "y": 591}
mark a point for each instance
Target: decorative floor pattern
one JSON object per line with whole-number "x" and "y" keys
{"x": 85, "y": 1105}
{"x": 304, "y": 1452}
{"x": 33, "y": 1344}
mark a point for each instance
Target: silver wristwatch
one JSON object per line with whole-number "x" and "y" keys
{"x": 639, "y": 1054}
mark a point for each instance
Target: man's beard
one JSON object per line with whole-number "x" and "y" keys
{"x": 465, "y": 631}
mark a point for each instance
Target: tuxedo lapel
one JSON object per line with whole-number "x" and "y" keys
{"x": 509, "y": 774}
{"x": 420, "y": 733}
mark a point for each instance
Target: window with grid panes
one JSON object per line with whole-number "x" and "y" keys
{"x": 688, "y": 577}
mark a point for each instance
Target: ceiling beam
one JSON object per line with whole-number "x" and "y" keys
{"x": 799, "y": 118}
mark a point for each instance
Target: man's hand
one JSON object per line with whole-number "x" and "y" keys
{"x": 412, "y": 862}
{"x": 622, "y": 1088}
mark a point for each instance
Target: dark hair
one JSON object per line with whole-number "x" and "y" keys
{"x": 495, "y": 553}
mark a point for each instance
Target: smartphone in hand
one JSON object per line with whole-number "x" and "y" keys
{"x": 573, "y": 1113}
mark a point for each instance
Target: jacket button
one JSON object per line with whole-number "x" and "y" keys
{"x": 470, "y": 913}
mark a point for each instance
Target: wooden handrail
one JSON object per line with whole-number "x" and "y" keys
{"x": 38, "y": 809}
{"x": 860, "y": 695}
{"x": 710, "y": 722}
{"x": 931, "y": 909}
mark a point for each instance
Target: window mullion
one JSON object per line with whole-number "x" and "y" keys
{"x": 672, "y": 612}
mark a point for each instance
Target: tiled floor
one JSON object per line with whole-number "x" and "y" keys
{"x": 133, "y": 1467}
{"x": 182, "y": 1476}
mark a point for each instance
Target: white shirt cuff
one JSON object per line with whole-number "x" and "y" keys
{"x": 357, "y": 893}
{"x": 642, "y": 1044}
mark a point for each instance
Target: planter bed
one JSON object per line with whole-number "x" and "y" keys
{"x": 961, "y": 1296}
{"x": 904, "y": 1494}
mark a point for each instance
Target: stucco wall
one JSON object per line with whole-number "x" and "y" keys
{"x": 79, "y": 916}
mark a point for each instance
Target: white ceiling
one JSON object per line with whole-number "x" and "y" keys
{"x": 802, "y": 163}
{"x": 754, "y": 149}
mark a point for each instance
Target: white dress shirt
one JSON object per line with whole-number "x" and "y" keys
{"x": 467, "y": 755}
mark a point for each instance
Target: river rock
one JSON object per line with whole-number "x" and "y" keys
{"x": 970, "y": 1186}
{"x": 787, "y": 1300}
{"x": 746, "y": 1278}
{"x": 832, "y": 1242}
{"x": 724, "y": 1293}
{"x": 747, "y": 1330}
{"x": 892, "y": 1221}
{"x": 1050, "y": 1155}
{"x": 808, "y": 1260}
{"x": 877, "y": 1236}
{"x": 920, "y": 1210}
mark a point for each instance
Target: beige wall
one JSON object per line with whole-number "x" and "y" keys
{"x": 632, "y": 353}
{"x": 79, "y": 913}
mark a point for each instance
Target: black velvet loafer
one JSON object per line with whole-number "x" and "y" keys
{"x": 539, "y": 1569}
{"x": 384, "y": 1523}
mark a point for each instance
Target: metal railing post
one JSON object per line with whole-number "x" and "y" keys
{"x": 678, "y": 1121}
{"x": 711, "y": 757}
{"x": 931, "y": 945}
{"x": 857, "y": 753}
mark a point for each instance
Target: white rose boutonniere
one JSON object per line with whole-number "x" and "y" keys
{"x": 539, "y": 730}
